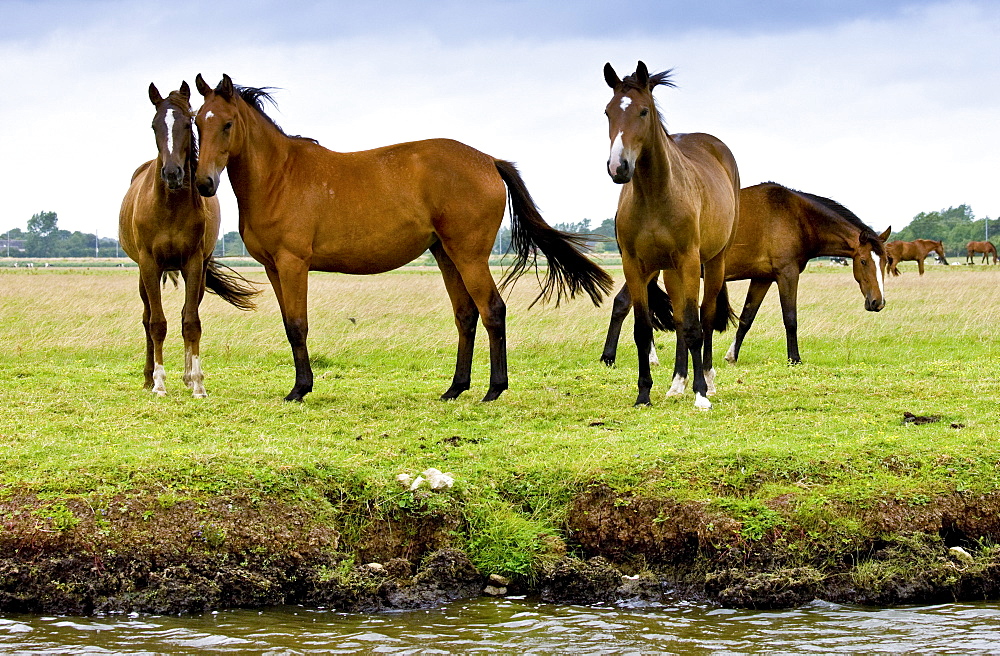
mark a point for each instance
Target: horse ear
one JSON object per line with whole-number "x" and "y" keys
{"x": 642, "y": 74}
{"x": 226, "y": 89}
{"x": 202, "y": 85}
{"x": 610, "y": 76}
{"x": 154, "y": 94}
{"x": 885, "y": 235}
{"x": 185, "y": 90}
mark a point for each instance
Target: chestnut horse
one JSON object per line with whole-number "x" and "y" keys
{"x": 779, "y": 231}
{"x": 165, "y": 226}
{"x": 677, "y": 213}
{"x": 900, "y": 251}
{"x": 985, "y": 247}
{"x": 305, "y": 208}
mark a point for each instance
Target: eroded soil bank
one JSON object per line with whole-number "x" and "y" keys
{"x": 163, "y": 554}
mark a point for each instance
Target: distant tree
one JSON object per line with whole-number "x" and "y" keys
{"x": 41, "y": 228}
{"x": 607, "y": 229}
{"x": 230, "y": 244}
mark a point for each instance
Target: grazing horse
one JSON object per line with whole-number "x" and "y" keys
{"x": 985, "y": 247}
{"x": 779, "y": 231}
{"x": 677, "y": 213}
{"x": 166, "y": 226}
{"x": 899, "y": 251}
{"x": 305, "y": 208}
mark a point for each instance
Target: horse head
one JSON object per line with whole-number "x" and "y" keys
{"x": 869, "y": 268}
{"x": 632, "y": 117}
{"x": 172, "y": 127}
{"x": 939, "y": 249}
{"x": 216, "y": 118}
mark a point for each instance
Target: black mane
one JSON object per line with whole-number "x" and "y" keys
{"x": 867, "y": 234}
{"x": 656, "y": 79}
{"x": 255, "y": 97}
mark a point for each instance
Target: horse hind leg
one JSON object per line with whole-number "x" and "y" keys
{"x": 466, "y": 320}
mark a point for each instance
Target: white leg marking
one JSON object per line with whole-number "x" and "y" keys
{"x": 731, "y": 353}
{"x": 710, "y": 379}
{"x": 159, "y": 380}
{"x": 653, "y": 359}
{"x": 678, "y": 386}
{"x": 193, "y": 375}
{"x": 616, "y": 154}
{"x": 702, "y": 402}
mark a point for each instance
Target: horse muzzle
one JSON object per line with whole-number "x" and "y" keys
{"x": 173, "y": 176}
{"x": 874, "y": 305}
{"x": 622, "y": 173}
{"x": 208, "y": 185}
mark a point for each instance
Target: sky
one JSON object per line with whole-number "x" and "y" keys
{"x": 891, "y": 108}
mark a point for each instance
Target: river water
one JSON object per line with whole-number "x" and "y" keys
{"x": 520, "y": 626}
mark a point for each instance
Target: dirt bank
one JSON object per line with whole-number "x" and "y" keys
{"x": 160, "y": 553}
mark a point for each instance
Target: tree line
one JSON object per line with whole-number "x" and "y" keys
{"x": 955, "y": 227}
{"x": 44, "y": 239}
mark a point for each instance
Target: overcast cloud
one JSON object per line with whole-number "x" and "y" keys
{"x": 890, "y": 109}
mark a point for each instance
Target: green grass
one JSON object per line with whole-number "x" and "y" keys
{"x": 74, "y": 419}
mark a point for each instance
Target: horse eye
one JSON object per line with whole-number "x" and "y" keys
{"x": 227, "y": 126}
{"x": 864, "y": 262}
{"x": 643, "y": 111}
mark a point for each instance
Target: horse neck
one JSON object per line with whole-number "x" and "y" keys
{"x": 831, "y": 234}
{"x": 263, "y": 148}
{"x": 659, "y": 162}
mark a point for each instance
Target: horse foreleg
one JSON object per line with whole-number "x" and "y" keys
{"x": 642, "y": 329}
{"x": 920, "y": 265}
{"x": 788, "y": 289}
{"x": 619, "y": 310}
{"x": 290, "y": 279}
{"x": 466, "y": 320}
{"x": 711, "y": 313}
{"x": 194, "y": 291}
{"x": 755, "y": 296}
{"x": 155, "y": 324}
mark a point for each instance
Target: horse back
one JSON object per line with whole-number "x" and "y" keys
{"x": 770, "y": 235}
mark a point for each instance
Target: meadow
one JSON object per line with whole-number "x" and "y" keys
{"x": 827, "y": 436}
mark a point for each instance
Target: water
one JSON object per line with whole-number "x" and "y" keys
{"x": 519, "y": 626}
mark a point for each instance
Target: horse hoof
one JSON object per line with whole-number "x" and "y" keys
{"x": 608, "y": 362}
{"x": 294, "y": 396}
{"x": 702, "y": 402}
{"x": 200, "y": 395}
{"x": 492, "y": 395}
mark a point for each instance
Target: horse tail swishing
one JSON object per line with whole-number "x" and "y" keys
{"x": 569, "y": 271}
{"x": 230, "y": 286}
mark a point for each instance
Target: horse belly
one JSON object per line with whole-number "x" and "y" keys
{"x": 373, "y": 253}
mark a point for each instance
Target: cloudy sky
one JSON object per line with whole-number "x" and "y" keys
{"x": 890, "y": 107}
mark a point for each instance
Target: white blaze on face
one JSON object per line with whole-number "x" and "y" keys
{"x": 209, "y": 114}
{"x": 626, "y": 101}
{"x": 878, "y": 274}
{"x": 616, "y": 154}
{"x": 169, "y": 118}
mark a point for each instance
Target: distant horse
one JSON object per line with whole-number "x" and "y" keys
{"x": 985, "y": 247}
{"x": 166, "y": 227}
{"x": 304, "y": 208}
{"x": 779, "y": 231}
{"x": 900, "y": 251}
{"x": 677, "y": 212}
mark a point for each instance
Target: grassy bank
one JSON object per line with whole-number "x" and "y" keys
{"x": 814, "y": 459}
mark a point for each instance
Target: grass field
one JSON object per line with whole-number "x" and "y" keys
{"x": 74, "y": 419}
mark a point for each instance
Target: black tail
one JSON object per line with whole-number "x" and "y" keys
{"x": 570, "y": 271}
{"x": 172, "y": 276}
{"x": 724, "y": 314}
{"x": 230, "y": 286}
{"x": 661, "y": 312}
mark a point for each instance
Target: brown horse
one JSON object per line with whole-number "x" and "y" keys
{"x": 166, "y": 226}
{"x": 677, "y": 213}
{"x": 779, "y": 231}
{"x": 900, "y": 251}
{"x": 304, "y": 208}
{"x": 985, "y": 247}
